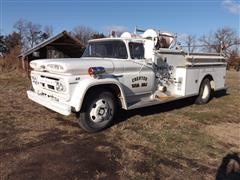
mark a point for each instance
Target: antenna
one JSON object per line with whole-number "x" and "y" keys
{"x": 135, "y": 30}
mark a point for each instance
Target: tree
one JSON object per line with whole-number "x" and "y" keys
{"x": 223, "y": 40}
{"x": 9, "y": 42}
{"x": 48, "y": 30}
{"x": 98, "y": 35}
{"x": 234, "y": 61}
{"x": 3, "y": 48}
{"x": 83, "y": 33}
{"x": 190, "y": 41}
{"x": 20, "y": 27}
{"x": 31, "y": 34}
{"x": 12, "y": 41}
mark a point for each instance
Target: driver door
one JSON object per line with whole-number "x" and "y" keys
{"x": 139, "y": 77}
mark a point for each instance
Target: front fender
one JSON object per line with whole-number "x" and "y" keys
{"x": 84, "y": 85}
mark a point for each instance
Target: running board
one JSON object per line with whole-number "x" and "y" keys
{"x": 165, "y": 98}
{"x": 141, "y": 104}
{"x": 157, "y": 100}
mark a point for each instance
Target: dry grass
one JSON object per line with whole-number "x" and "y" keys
{"x": 10, "y": 61}
{"x": 177, "y": 140}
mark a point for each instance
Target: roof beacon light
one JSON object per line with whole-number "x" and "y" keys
{"x": 95, "y": 71}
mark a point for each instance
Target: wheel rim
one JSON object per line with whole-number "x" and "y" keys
{"x": 100, "y": 111}
{"x": 205, "y": 92}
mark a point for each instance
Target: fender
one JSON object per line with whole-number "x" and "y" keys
{"x": 84, "y": 85}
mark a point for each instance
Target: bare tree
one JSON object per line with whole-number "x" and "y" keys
{"x": 223, "y": 40}
{"x": 98, "y": 35}
{"x": 48, "y": 30}
{"x": 20, "y": 27}
{"x": 234, "y": 61}
{"x": 46, "y": 33}
{"x": 83, "y": 33}
{"x": 31, "y": 34}
{"x": 190, "y": 41}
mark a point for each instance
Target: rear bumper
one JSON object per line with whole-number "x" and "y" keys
{"x": 53, "y": 105}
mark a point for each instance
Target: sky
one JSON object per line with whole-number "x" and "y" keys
{"x": 195, "y": 17}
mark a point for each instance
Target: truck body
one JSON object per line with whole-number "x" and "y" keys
{"x": 129, "y": 72}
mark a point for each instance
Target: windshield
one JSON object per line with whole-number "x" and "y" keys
{"x": 106, "y": 49}
{"x": 136, "y": 50}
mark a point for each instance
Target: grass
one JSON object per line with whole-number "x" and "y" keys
{"x": 170, "y": 141}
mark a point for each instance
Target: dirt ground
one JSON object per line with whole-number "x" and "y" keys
{"x": 226, "y": 132}
{"x": 178, "y": 140}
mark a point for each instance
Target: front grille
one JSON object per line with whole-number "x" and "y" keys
{"x": 49, "y": 78}
{"x": 48, "y": 83}
{"x": 51, "y": 87}
{"x": 44, "y": 82}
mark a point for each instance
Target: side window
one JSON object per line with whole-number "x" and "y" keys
{"x": 120, "y": 50}
{"x": 136, "y": 50}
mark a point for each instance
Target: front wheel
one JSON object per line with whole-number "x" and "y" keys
{"x": 98, "y": 111}
{"x": 204, "y": 92}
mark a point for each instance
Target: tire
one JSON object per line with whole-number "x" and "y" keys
{"x": 98, "y": 112}
{"x": 204, "y": 93}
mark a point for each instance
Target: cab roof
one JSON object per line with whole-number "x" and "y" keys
{"x": 117, "y": 39}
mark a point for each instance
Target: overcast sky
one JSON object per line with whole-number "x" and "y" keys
{"x": 182, "y": 17}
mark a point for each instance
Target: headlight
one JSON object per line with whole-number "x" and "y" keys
{"x": 60, "y": 86}
{"x": 55, "y": 67}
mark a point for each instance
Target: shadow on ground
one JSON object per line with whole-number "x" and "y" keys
{"x": 57, "y": 155}
{"x": 165, "y": 107}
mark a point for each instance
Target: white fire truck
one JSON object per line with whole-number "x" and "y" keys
{"x": 129, "y": 72}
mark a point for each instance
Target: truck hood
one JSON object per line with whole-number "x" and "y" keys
{"x": 77, "y": 66}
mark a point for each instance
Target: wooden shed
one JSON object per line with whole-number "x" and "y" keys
{"x": 63, "y": 45}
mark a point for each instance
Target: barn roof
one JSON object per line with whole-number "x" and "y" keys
{"x": 63, "y": 40}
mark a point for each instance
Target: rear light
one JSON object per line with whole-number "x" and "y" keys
{"x": 94, "y": 71}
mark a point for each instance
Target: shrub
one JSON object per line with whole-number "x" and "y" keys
{"x": 10, "y": 62}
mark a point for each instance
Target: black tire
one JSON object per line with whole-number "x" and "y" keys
{"x": 98, "y": 112}
{"x": 205, "y": 92}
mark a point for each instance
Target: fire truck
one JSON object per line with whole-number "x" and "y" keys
{"x": 132, "y": 71}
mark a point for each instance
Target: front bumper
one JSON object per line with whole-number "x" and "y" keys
{"x": 53, "y": 105}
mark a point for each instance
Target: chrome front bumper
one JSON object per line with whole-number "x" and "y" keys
{"x": 59, "y": 107}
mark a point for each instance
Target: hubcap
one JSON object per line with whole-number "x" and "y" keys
{"x": 100, "y": 111}
{"x": 205, "y": 92}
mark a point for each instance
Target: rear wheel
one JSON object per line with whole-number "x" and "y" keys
{"x": 98, "y": 112}
{"x": 204, "y": 93}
